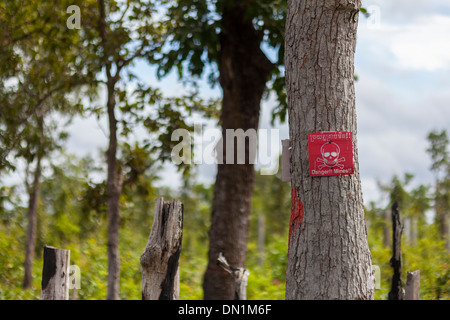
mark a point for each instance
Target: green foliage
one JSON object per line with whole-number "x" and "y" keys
{"x": 47, "y": 66}
{"x": 271, "y": 199}
{"x": 429, "y": 256}
{"x": 12, "y": 254}
{"x": 424, "y": 251}
{"x": 194, "y": 28}
{"x": 267, "y": 282}
{"x": 438, "y": 150}
{"x": 69, "y": 218}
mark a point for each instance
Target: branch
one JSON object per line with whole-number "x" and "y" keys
{"x": 103, "y": 36}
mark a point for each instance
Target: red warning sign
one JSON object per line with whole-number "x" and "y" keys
{"x": 330, "y": 153}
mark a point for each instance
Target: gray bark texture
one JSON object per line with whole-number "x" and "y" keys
{"x": 159, "y": 262}
{"x": 329, "y": 256}
{"x": 55, "y": 274}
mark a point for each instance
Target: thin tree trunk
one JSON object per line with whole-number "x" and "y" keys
{"x": 261, "y": 238}
{"x": 114, "y": 188}
{"x": 414, "y": 233}
{"x": 441, "y": 215}
{"x": 328, "y": 257}
{"x": 114, "y": 177}
{"x": 244, "y": 70}
{"x": 30, "y": 242}
{"x": 407, "y": 228}
{"x": 386, "y": 229}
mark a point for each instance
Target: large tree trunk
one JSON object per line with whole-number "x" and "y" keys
{"x": 30, "y": 242}
{"x": 329, "y": 257}
{"x": 114, "y": 189}
{"x": 244, "y": 70}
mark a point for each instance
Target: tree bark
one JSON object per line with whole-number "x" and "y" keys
{"x": 328, "y": 257}
{"x": 30, "y": 243}
{"x": 160, "y": 275}
{"x": 244, "y": 71}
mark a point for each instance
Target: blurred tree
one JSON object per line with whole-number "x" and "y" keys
{"x": 225, "y": 39}
{"x": 412, "y": 204}
{"x": 271, "y": 198}
{"x": 40, "y": 67}
{"x": 439, "y": 153}
{"x": 420, "y": 203}
{"x": 118, "y": 34}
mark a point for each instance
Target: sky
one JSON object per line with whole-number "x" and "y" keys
{"x": 402, "y": 62}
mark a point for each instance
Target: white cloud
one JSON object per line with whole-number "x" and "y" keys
{"x": 87, "y": 136}
{"x": 424, "y": 45}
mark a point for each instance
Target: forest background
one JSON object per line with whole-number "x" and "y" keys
{"x": 403, "y": 113}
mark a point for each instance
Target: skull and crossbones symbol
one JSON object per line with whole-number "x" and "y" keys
{"x": 330, "y": 156}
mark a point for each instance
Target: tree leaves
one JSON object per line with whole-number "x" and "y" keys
{"x": 45, "y": 69}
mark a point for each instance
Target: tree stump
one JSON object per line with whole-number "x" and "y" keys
{"x": 55, "y": 274}
{"x": 159, "y": 262}
{"x": 396, "y": 292}
{"x": 412, "y": 285}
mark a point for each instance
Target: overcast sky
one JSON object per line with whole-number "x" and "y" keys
{"x": 403, "y": 92}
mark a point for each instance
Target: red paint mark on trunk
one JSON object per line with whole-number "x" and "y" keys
{"x": 296, "y": 214}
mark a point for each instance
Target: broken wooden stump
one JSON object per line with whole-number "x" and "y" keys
{"x": 159, "y": 262}
{"x": 55, "y": 274}
{"x": 412, "y": 285}
{"x": 396, "y": 292}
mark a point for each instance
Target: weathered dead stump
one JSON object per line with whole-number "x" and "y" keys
{"x": 55, "y": 274}
{"x": 396, "y": 292}
{"x": 412, "y": 285}
{"x": 159, "y": 262}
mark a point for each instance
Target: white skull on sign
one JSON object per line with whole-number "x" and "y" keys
{"x": 330, "y": 156}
